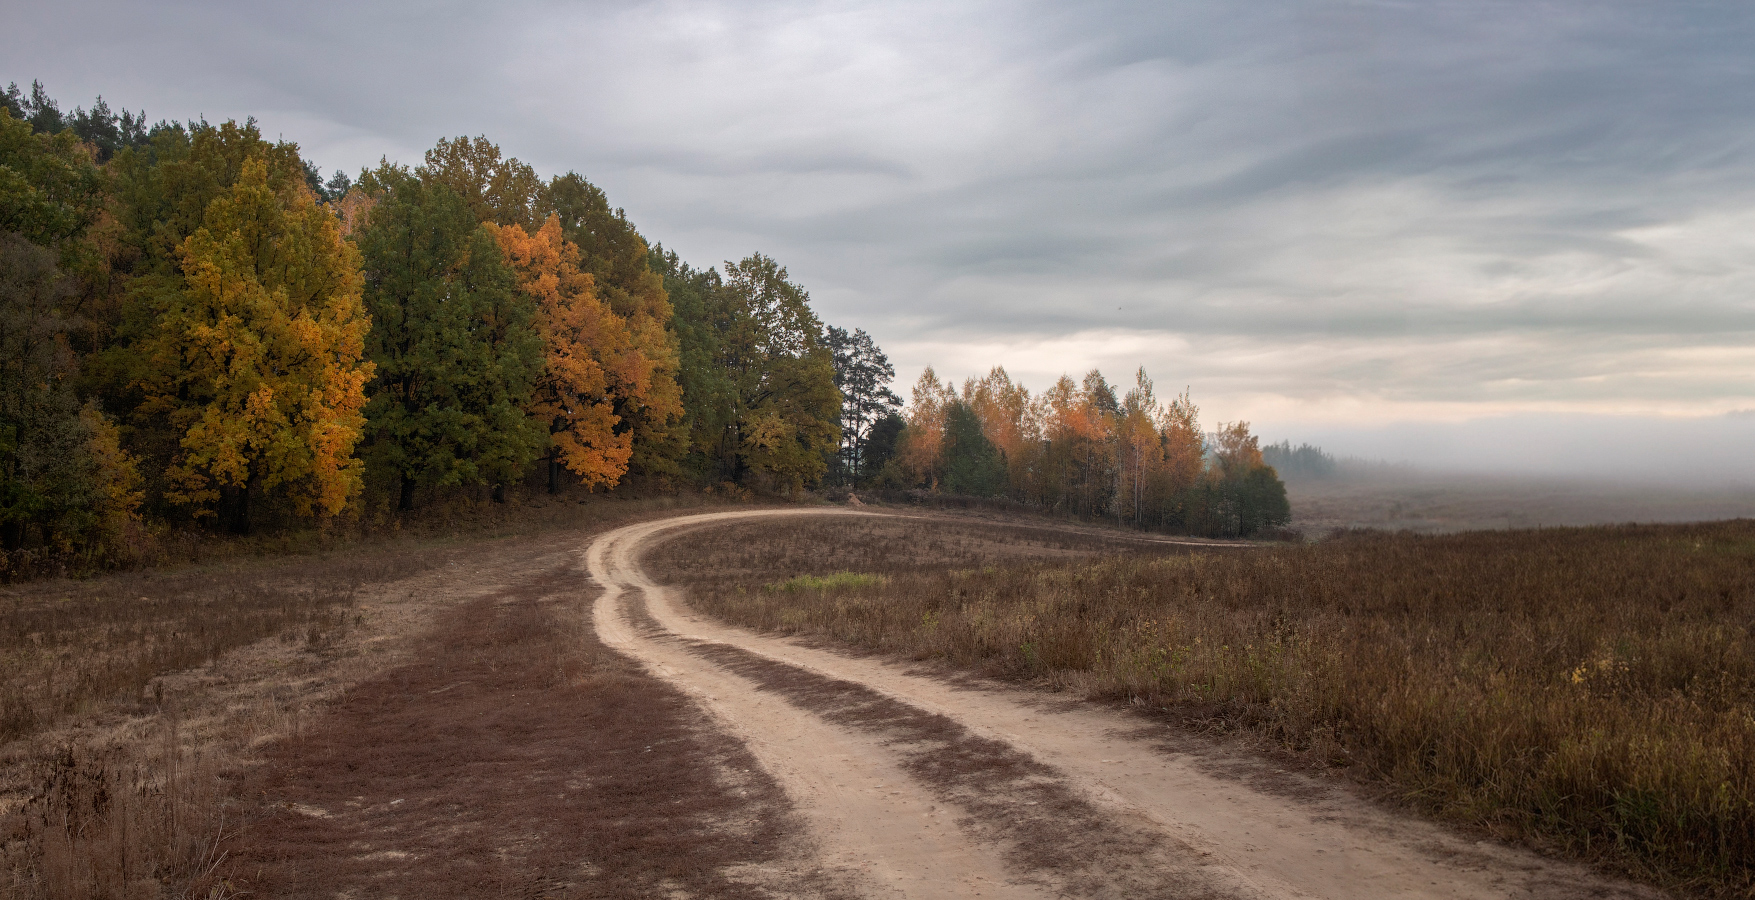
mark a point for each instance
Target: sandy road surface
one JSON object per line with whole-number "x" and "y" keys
{"x": 861, "y": 745}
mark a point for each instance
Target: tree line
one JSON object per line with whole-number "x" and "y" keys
{"x": 198, "y": 330}
{"x": 1083, "y": 448}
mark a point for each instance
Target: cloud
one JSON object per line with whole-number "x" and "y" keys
{"x": 1369, "y": 210}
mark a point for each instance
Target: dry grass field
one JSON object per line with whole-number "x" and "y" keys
{"x": 155, "y": 722}
{"x": 1590, "y": 691}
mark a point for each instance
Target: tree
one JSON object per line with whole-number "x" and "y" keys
{"x": 789, "y": 410}
{"x": 495, "y": 188}
{"x": 628, "y": 278}
{"x": 592, "y": 364}
{"x": 919, "y": 454}
{"x": 880, "y": 445}
{"x": 863, "y": 375}
{"x": 51, "y": 192}
{"x": 1010, "y": 420}
{"x": 972, "y": 464}
{"x": 452, "y": 337}
{"x": 257, "y": 359}
{"x": 704, "y": 316}
{"x": 758, "y": 380}
{"x": 41, "y": 432}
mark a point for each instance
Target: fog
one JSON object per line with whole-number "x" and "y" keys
{"x": 1683, "y": 453}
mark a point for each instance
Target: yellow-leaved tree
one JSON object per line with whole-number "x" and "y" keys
{"x": 258, "y": 356}
{"x": 596, "y": 366}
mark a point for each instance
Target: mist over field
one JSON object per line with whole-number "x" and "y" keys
{"x": 1678, "y": 453}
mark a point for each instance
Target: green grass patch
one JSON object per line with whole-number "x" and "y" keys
{"x": 838, "y": 581}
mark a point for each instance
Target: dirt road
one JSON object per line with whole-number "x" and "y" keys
{"x": 918, "y": 787}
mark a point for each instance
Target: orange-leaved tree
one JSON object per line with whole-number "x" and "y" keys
{"x": 595, "y": 365}
{"x": 258, "y": 356}
{"x": 920, "y": 456}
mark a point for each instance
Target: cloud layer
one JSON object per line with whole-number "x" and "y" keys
{"x": 1352, "y": 212}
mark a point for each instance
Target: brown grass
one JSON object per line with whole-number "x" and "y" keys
{"x": 1591, "y": 691}
{"x": 138, "y": 699}
{"x": 67, "y": 647}
{"x": 517, "y": 757}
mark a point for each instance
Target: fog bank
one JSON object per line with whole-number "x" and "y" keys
{"x": 1702, "y": 452}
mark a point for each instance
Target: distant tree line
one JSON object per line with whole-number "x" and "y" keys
{"x": 1304, "y": 462}
{"x": 199, "y": 331}
{"x": 1082, "y": 448}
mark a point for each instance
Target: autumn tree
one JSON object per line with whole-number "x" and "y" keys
{"x": 495, "y": 188}
{"x": 453, "y": 340}
{"x": 621, "y": 265}
{"x": 505, "y": 191}
{"x": 1010, "y": 419}
{"x": 258, "y": 355}
{"x": 919, "y": 455}
{"x": 592, "y": 364}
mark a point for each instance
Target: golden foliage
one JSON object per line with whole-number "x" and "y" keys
{"x": 597, "y": 363}
{"x": 259, "y": 358}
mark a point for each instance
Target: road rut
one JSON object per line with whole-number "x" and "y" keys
{"x": 861, "y": 745}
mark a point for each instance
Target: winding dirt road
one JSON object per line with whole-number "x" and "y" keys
{"x": 918, "y": 787}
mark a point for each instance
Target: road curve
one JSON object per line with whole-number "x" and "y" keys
{"x": 1139, "y": 818}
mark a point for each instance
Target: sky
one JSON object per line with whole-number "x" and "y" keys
{"x": 1503, "y": 234}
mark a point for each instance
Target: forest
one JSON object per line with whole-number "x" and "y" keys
{"x": 200, "y": 332}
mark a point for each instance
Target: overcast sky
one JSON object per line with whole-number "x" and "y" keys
{"x": 1339, "y": 220}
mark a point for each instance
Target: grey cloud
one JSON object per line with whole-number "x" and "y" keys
{"x": 1372, "y": 192}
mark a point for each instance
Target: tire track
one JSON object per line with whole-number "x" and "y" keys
{"x": 991, "y": 753}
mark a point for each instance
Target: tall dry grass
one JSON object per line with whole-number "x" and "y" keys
{"x": 1589, "y": 690}
{"x": 119, "y": 824}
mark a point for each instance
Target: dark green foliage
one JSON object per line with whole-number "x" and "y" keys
{"x": 45, "y": 475}
{"x": 105, "y": 130}
{"x": 709, "y": 397}
{"x": 336, "y": 187}
{"x": 50, "y": 192}
{"x": 863, "y": 375}
{"x": 452, "y": 341}
{"x": 880, "y": 443}
{"x": 1244, "y": 505}
{"x": 758, "y": 381}
{"x": 973, "y": 465}
{"x": 610, "y": 248}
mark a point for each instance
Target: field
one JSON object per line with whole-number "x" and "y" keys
{"x": 1589, "y": 691}
{"x": 163, "y": 728}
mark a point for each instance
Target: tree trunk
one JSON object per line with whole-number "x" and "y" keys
{"x": 554, "y": 470}
{"x": 405, "y": 493}
{"x": 234, "y": 508}
{"x": 12, "y": 534}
